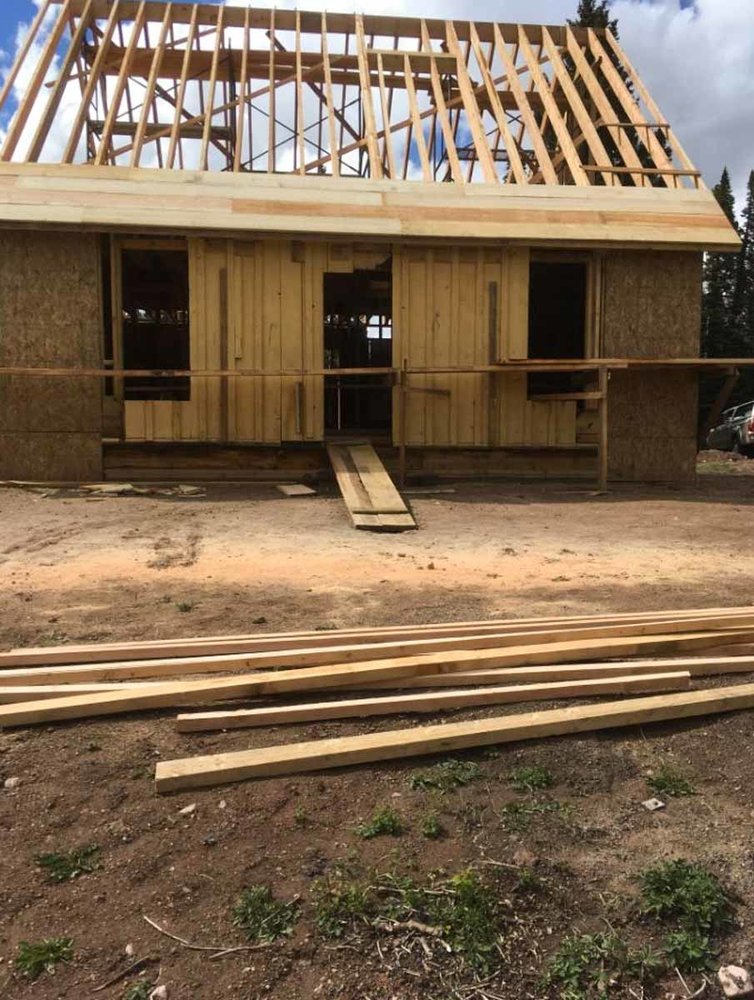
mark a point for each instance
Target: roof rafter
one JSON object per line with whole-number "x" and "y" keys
{"x": 218, "y": 88}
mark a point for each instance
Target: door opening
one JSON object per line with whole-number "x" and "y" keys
{"x": 557, "y": 320}
{"x": 155, "y": 330}
{"x": 358, "y": 334}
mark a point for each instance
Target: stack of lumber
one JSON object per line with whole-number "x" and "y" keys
{"x": 369, "y": 672}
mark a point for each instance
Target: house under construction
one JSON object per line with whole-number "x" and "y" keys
{"x": 231, "y": 235}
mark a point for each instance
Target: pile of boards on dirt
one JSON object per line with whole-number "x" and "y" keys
{"x": 392, "y": 670}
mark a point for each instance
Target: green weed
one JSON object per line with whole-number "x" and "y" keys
{"x": 385, "y": 822}
{"x": 528, "y": 881}
{"x": 432, "y": 828}
{"x": 42, "y": 956}
{"x": 692, "y": 900}
{"x": 518, "y": 815}
{"x": 262, "y": 917}
{"x": 464, "y": 909}
{"x": 446, "y": 775}
{"x": 585, "y": 964}
{"x": 338, "y": 904}
{"x": 300, "y": 818}
{"x": 669, "y": 781}
{"x": 185, "y": 606}
{"x": 531, "y": 779}
{"x": 68, "y": 866}
{"x": 140, "y": 990}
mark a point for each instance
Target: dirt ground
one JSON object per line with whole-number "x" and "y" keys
{"x": 244, "y": 558}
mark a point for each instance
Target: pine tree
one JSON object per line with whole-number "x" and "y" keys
{"x": 743, "y": 296}
{"x": 720, "y": 326}
{"x": 595, "y": 14}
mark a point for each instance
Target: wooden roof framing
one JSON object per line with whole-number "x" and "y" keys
{"x": 229, "y": 89}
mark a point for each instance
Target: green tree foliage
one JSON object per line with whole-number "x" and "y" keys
{"x": 595, "y": 14}
{"x": 743, "y": 295}
{"x": 721, "y": 335}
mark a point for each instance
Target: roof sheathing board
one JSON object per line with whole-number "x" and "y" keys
{"x": 118, "y": 199}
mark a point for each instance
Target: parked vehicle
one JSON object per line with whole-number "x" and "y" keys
{"x": 735, "y": 432}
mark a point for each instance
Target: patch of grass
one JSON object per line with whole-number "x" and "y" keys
{"x": 300, "y": 818}
{"x": 71, "y": 864}
{"x": 528, "y": 881}
{"x": 463, "y": 909}
{"x": 693, "y": 901}
{"x": 385, "y": 822}
{"x": 140, "y": 990}
{"x": 185, "y": 606}
{"x": 262, "y": 917}
{"x": 585, "y": 964}
{"x": 518, "y": 815}
{"x": 531, "y": 779}
{"x": 432, "y": 828}
{"x": 42, "y": 956}
{"x": 668, "y": 780}
{"x": 446, "y": 775}
{"x": 51, "y": 639}
{"x": 469, "y": 917}
{"x": 338, "y": 904}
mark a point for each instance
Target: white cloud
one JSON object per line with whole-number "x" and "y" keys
{"x": 699, "y": 66}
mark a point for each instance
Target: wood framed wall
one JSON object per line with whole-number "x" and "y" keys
{"x": 255, "y": 304}
{"x": 259, "y": 305}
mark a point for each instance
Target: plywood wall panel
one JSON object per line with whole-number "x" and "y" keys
{"x": 50, "y": 316}
{"x": 652, "y": 308}
{"x": 652, "y": 304}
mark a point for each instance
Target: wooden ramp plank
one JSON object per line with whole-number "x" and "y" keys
{"x": 361, "y": 506}
{"x": 316, "y": 755}
{"x": 428, "y": 702}
{"x": 384, "y": 497}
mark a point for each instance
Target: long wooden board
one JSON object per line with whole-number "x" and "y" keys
{"x": 308, "y": 679}
{"x": 258, "y": 641}
{"x": 316, "y": 755}
{"x": 701, "y": 666}
{"x": 428, "y": 702}
{"x": 522, "y": 647}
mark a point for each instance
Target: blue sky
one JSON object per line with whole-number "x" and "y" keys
{"x": 11, "y": 13}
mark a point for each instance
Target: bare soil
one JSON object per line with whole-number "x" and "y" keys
{"x": 238, "y": 559}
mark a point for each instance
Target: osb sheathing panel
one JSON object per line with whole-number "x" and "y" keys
{"x": 50, "y": 316}
{"x": 652, "y": 304}
{"x": 652, "y": 308}
{"x": 50, "y": 456}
